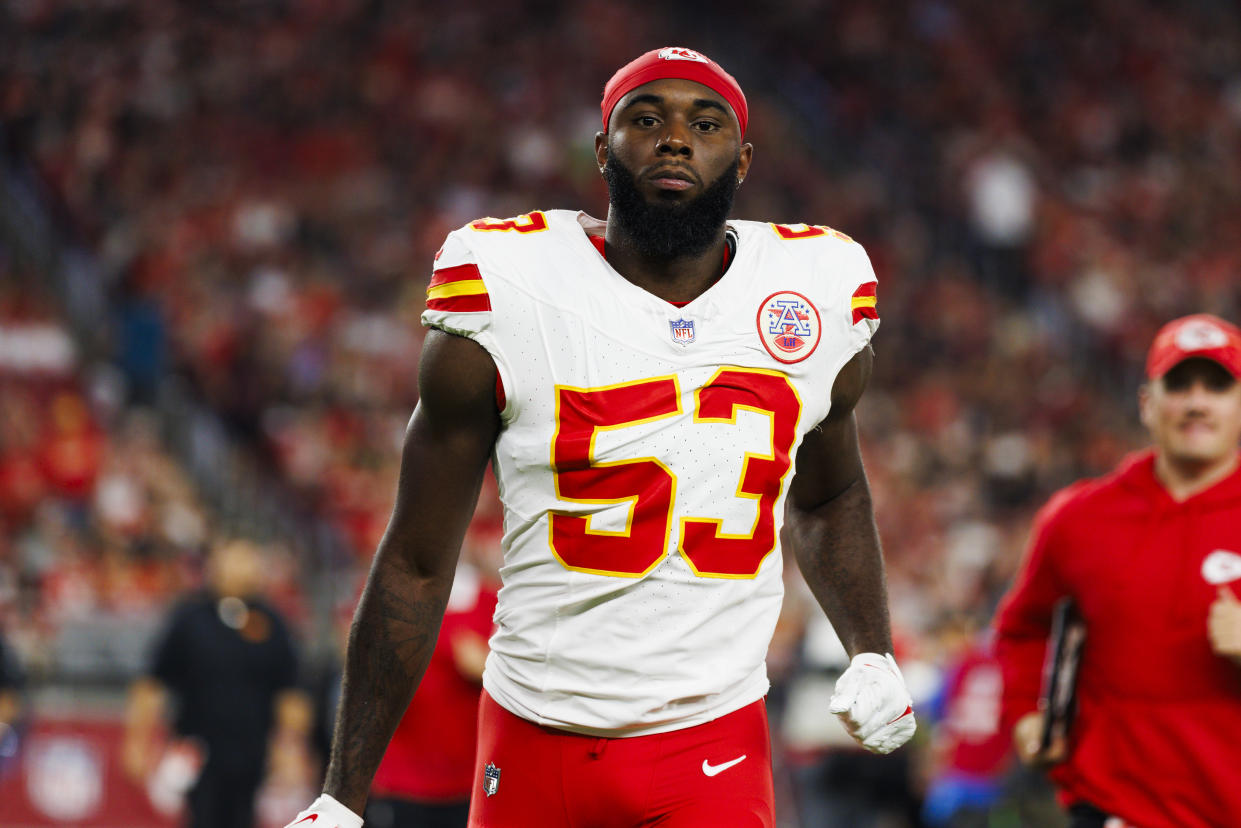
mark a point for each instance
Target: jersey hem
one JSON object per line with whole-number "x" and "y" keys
{"x": 753, "y": 688}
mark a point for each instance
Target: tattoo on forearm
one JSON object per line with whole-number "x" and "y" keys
{"x": 389, "y": 646}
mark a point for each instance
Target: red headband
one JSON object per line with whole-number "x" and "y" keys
{"x": 674, "y": 62}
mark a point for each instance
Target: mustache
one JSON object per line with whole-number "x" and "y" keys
{"x": 676, "y": 170}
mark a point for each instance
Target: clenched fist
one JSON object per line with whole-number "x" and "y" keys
{"x": 874, "y": 704}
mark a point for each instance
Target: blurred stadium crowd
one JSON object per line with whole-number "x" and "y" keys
{"x": 260, "y": 187}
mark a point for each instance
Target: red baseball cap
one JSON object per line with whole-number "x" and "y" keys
{"x": 680, "y": 63}
{"x": 1200, "y": 335}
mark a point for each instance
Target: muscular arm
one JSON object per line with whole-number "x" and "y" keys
{"x": 447, "y": 445}
{"x": 830, "y": 521}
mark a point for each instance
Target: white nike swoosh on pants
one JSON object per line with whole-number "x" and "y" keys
{"x": 712, "y": 770}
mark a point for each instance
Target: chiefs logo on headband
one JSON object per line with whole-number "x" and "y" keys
{"x": 677, "y": 53}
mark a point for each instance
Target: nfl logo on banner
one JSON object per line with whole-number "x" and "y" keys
{"x": 491, "y": 779}
{"x": 682, "y": 331}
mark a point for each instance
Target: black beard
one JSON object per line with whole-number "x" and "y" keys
{"x": 671, "y": 230}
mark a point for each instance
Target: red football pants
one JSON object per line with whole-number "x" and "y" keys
{"x": 714, "y": 774}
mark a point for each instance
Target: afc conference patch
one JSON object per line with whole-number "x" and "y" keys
{"x": 789, "y": 325}
{"x": 491, "y": 779}
{"x": 682, "y": 331}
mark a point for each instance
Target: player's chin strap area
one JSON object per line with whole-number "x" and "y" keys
{"x": 326, "y": 812}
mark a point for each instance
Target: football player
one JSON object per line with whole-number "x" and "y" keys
{"x": 659, "y": 393}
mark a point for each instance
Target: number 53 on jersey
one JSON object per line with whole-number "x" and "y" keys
{"x": 650, "y": 487}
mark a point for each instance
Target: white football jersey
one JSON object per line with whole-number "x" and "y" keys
{"x": 644, "y": 457}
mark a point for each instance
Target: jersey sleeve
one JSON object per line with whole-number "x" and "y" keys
{"x": 849, "y": 304}
{"x": 861, "y": 309}
{"x": 459, "y": 302}
{"x": 457, "y": 298}
{"x": 1023, "y": 620}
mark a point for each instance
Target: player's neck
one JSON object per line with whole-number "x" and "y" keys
{"x": 676, "y": 280}
{"x": 1183, "y": 479}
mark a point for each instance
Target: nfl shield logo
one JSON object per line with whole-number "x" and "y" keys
{"x": 682, "y": 331}
{"x": 491, "y": 779}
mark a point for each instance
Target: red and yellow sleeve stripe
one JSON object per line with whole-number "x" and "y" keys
{"x": 865, "y": 302}
{"x": 458, "y": 289}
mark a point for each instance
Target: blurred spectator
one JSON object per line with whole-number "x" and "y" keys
{"x": 97, "y": 521}
{"x": 225, "y": 668}
{"x": 10, "y": 706}
{"x": 71, "y": 449}
{"x": 141, "y": 347}
{"x": 969, "y": 752}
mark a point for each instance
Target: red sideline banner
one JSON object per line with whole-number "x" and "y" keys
{"x": 68, "y": 772}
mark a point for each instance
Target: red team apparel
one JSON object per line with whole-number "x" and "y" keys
{"x": 431, "y": 755}
{"x": 643, "y": 461}
{"x": 1157, "y": 740}
{"x": 717, "y": 774}
{"x": 978, "y": 747}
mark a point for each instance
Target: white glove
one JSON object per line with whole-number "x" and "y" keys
{"x": 326, "y": 812}
{"x": 874, "y": 704}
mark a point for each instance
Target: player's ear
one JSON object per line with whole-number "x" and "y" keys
{"x": 1144, "y": 404}
{"x": 601, "y": 149}
{"x": 744, "y": 155}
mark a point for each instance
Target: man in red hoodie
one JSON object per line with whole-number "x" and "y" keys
{"x": 1151, "y": 556}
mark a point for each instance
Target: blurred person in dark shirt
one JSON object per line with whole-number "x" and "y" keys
{"x": 226, "y": 662}
{"x": 10, "y": 704}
